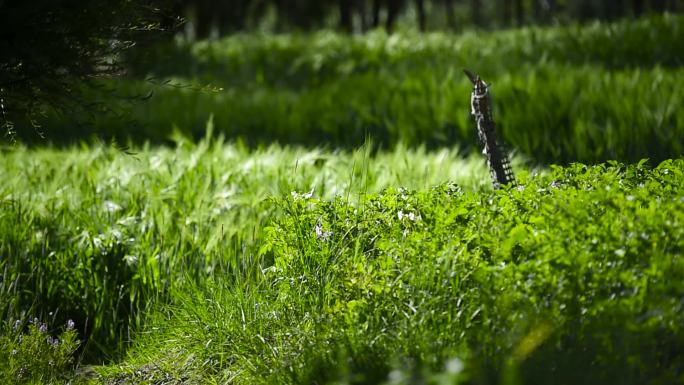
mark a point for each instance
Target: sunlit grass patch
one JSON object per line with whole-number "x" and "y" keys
{"x": 573, "y": 277}
{"x": 99, "y": 235}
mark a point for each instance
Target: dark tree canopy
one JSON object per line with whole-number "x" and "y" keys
{"x": 50, "y": 48}
{"x": 220, "y": 17}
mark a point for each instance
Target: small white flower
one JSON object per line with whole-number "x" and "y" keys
{"x": 131, "y": 260}
{"x": 116, "y": 234}
{"x": 98, "y": 243}
{"x": 111, "y": 207}
{"x": 454, "y": 366}
{"x": 304, "y": 196}
{"x": 396, "y": 377}
{"x": 411, "y": 216}
{"x": 320, "y": 234}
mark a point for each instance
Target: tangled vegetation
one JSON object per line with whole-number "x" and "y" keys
{"x": 574, "y": 277}
{"x": 214, "y": 260}
{"x": 343, "y": 276}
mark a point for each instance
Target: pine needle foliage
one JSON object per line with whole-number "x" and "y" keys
{"x": 51, "y": 49}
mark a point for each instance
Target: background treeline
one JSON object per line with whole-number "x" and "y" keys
{"x": 213, "y": 18}
{"x": 579, "y": 92}
{"x": 562, "y": 94}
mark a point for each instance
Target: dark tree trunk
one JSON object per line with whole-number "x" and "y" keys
{"x": 537, "y": 10}
{"x": 546, "y": 9}
{"x": 551, "y": 6}
{"x": 507, "y": 12}
{"x": 204, "y": 19}
{"x": 450, "y": 15}
{"x": 613, "y": 9}
{"x": 420, "y": 8}
{"x": 231, "y": 16}
{"x": 345, "y": 15}
{"x": 256, "y": 10}
{"x": 585, "y": 10}
{"x": 393, "y": 8}
{"x": 658, "y": 5}
{"x": 281, "y": 14}
{"x": 363, "y": 14}
{"x": 519, "y": 12}
{"x": 376, "y": 14}
{"x": 476, "y": 9}
{"x": 638, "y": 7}
{"x": 172, "y": 18}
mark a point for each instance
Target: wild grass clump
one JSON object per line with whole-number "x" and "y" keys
{"x": 99, "y": 235}
{"x": 35, "y": 354}
{"x": 551, "y": 113}
{"x": 573, "y": 277}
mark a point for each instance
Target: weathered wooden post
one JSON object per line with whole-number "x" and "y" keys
{"x": 480, "y": 108}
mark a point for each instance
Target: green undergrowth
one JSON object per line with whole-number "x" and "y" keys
{"x": 583, "y": 93}
{"x": 37, "y": 353}
{"x": 306, "y": 60}
{"x": 548, "y": 112}
{"x": 100, "y": 234}
{"x": 572, "y": 277}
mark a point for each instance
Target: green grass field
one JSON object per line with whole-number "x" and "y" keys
{"x": 287, "y": 265}
{"x": 368, "y": 247}
{"x": 127, "y": 226}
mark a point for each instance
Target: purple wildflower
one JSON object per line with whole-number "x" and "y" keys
{"x": 43, "y": 328}
{"x": 320, "y": 234}
{"x": 70, "y": 324}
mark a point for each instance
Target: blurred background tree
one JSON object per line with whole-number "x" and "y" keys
{"x": 47, "y": 44}
{"x": 50, "y": 50}
{"x": 213, "y": 18}
{"x": 52, "y": 54}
